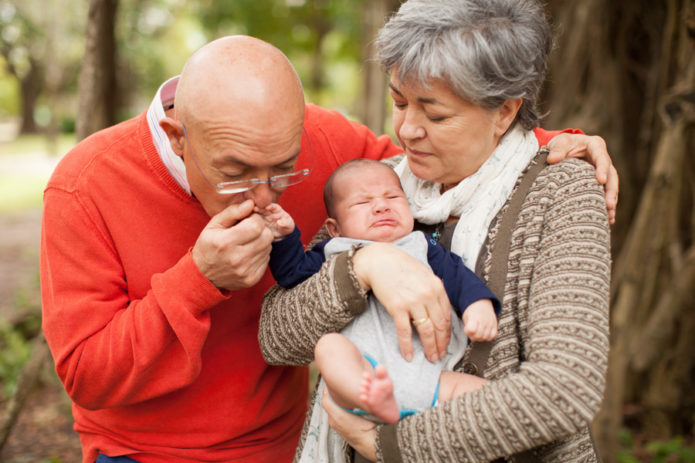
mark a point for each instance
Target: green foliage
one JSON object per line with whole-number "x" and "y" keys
{"x": 627, "y": 447}
{"x": 322, "y": 38}
{"x": 25, "y": 167}
{"x": 14, "y": 352}
{"x": 675, "y": 450}
{"x": 671, "y": 451}
{"x": 9, "y": 92}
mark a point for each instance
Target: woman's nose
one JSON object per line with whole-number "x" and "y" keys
{"x": 411, "y": 128}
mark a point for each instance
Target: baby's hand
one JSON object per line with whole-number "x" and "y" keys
{"x": 479, "y": 321}
{"x": 277, "y": 219}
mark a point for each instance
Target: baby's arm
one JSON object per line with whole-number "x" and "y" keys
{"x": 467, "y": 293}
{"x": 277, "y": 219}
{"x": 289, "y": 263}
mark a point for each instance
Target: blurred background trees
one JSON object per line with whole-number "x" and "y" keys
{"x": 623, "y": 69}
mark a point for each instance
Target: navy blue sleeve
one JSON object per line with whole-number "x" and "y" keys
{"x": 290, "y": 264}
{"x": 462, "y": 285}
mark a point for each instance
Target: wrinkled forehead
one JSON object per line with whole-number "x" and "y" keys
{"x": 361, "y": 177}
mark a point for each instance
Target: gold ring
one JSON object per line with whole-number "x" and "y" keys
{"x": 419, "y": 321}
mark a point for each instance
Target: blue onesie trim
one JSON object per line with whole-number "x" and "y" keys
{"x": 404, "y": 413}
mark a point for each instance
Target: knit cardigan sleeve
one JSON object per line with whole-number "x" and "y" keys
{"x": 547, "y": 367}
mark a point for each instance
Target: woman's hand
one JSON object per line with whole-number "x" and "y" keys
{"x": 357, "y": 431}
{"x": 410, "y": 292}
{"x": 593, "y": 150}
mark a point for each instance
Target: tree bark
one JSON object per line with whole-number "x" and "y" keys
{"x": 30, "y": 87}
{"x": 630, "y": 77}
{"x": 372, "y": 107}
{"x": 97, "y": 80}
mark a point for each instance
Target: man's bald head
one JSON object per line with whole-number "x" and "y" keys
{"x": 242, "y": 106}
{"x": 239, "y": 78}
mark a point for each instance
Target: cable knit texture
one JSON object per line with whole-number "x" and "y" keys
{"x": 548, "y": 363}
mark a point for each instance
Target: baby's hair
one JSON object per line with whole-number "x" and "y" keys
{"x": 328, "y": 191}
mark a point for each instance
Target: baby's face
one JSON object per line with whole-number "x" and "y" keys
{"x": 371, "y": 205}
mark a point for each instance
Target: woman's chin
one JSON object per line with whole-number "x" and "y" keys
{"x": 422, "y": 170}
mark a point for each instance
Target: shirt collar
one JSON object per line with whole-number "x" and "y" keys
{"x": 164, "y": 100}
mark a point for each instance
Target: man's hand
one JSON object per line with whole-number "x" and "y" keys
{"x": 410, "y": 292}
{"x": 593, "y": 150}
{"x": 233, "y": 249}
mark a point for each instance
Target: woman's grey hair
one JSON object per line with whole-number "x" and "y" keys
{"x": 488, "y": 51}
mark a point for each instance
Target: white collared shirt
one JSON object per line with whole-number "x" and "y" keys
{"x": 164, "y": 100}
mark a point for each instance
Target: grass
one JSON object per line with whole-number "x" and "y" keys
{"x": 25, "y": 167}
{"x": 20, "y": 193}
{"x": 36, "y": 143}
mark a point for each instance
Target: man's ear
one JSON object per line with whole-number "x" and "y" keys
{"x": 506, "y": 115}
{"x": 332, "y": 227}
{"x": 174, "y": 131}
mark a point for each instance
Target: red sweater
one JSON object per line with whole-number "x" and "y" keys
{"x": 159, "y": 364}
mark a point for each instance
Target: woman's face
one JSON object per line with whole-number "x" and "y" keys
{"x": 445, "y": 137}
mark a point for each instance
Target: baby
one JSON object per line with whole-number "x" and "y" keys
{"x": 362, "y": 366}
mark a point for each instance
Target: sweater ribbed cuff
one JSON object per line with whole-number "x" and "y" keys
{"x": 347, "y": 285}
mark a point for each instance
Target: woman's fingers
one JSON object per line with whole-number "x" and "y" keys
{"x": 409, "y": 291}
{"x": 357, "y": 431}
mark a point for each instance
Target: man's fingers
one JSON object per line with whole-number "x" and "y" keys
{"x": 597, "y": 154}
{"x": 232, "y": 214}
{"x": 612, "y": 188}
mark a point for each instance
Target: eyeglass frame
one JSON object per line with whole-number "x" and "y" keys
{"x": 253, "y": 182}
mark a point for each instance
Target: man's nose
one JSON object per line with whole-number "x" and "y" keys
{"x": 261, "y": 194}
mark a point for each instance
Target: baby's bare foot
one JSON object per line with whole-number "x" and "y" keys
{"x": 376, "y": 394}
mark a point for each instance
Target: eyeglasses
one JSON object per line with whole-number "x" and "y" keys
{"x": 239, "y": 186}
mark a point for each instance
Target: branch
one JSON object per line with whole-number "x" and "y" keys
{"x": 25, "y": 384}
{"x": 661, "y": 325}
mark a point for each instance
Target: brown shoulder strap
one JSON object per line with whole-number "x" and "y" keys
{"x": 477, "y": 359}
{"x": 480, "y": 351}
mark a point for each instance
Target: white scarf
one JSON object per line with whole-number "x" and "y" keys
{"x": 476, "y": 199}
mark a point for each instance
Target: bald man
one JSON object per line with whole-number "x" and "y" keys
{"x": 153, "y": 267}
{"x": 153, "y": 263}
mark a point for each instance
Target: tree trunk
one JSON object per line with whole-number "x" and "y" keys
{"x": 630, "y": 77}
{"x": 30, "y": 86}
{"x": 372, "y": 107}
{"x": 97, "y": 79}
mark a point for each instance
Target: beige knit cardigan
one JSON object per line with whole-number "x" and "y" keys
{"x": 548, "y": 363}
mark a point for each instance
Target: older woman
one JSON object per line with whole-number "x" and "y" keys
{"x": 465, "y": 75}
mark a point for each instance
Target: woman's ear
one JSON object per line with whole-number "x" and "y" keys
{"x": 174, "y": 131}
{"x": 332, "y": 227}
{"x": 506, "y": 115}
